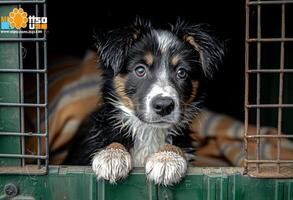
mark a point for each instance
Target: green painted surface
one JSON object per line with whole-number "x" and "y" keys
{"x": 200, "y": 184}
{"x": 9, "y": 93}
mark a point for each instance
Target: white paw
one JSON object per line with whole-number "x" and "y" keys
{"x": 112, "y": 164}
{"x": 165, "y": 168}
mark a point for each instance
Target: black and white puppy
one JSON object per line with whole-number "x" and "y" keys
{"x": 153, "y": 86}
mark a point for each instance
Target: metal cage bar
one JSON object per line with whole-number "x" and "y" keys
{"x": 24, "y": 2}
{"x": 46, "y": 95}
{"x": 258, "y": 63}
{"x": 38, "y": 160}
{"x": 38, "y": 89}
{"x": 255, "y": 165}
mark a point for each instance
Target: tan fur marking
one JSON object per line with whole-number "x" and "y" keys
{"x": 193, "y": 92}
{"x": 175, "y": 60}
{"x": 149, "y": 58}
{"x": 120, "y": 89}
{"x": 170, "y": 147}
{"x": 136, "y": 33}
{"x": 116, "y": 145}
{"x": 193, "y": 43}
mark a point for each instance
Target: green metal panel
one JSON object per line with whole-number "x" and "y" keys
{"x": 9, "y": 93}
{"x": 200, "y": 184}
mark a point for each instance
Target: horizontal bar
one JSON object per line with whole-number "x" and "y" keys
{"x": 270, "y": 106}
{"x": 22, "y": 104}
{"x": 23, "y": 39}
{"x": 23, "y": 170}
{"x": 21, "y": 2}
{"x": 270, "y": 136}
{"x": 22, "y": 134}
{"x": 22, "y": 156}
{"x": 268, "y": 2}
{"x": 23, "y": 70}
{"x": 269, "y": 161}
{"x": 270, "y": 40}
{"x": 270, "y": 71}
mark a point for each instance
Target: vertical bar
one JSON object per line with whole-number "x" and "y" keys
{"x": 281, "y": 85}
{"x": 46, "y": 93}
{"x": 38, "y": 92}
{"x": 246, "y": 84}
{"x": 258, "y": 85}
{"x": 21, "y": 91}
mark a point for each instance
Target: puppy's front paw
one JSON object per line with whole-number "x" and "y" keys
{"x": 112, "y": 163}
{"x": 166, "y": 167}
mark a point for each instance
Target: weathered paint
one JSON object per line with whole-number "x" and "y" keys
{"x": 200, "y": 183}
{"x": 9, "y": 93}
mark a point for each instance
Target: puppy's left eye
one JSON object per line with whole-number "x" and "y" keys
{"x": 140, "y": 71}
{"x": 182, "y": 74}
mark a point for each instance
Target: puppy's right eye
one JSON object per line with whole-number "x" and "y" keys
{"x": 182, "y": 74}
{"x": 140, "y": 71}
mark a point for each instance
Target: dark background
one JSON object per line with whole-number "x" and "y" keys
{"x": 72, "y": 26}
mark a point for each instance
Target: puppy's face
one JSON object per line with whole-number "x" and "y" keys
{"x": 159, "y": 78}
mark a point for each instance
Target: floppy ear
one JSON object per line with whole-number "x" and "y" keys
{"x": 114, "y": 45}
{"x": 210, "y": 49}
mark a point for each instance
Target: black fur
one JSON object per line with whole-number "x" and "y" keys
{"x": 114, "y": 45}
{"x": 213, "y": 49}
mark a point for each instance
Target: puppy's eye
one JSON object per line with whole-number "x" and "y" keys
{"x": 140, "y": 71}
{"x": 182, "y": 74}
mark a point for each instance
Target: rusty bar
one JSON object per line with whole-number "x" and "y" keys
{"x": 28, "y": 170}
{"x": 246, "y": 97}
{"x": 258, "y": 82}
{"x": 269, "y": 2}
{"x": 270, "y": 136}
{"x": 269, "y": 161}
{"x": 22, "y": 134}
{"x": 22, "y": 105}
{"x": 23, "y": 1}
{"x": 38, "y": 91}
{"x": 22, "y": 39}
{"x": 270, "y": 106}
{"x": 46, "y": 94}
{"x": 281, "y": 85}
{"x": 270, "y": 70}
{"x": 22, "y": 156}
{"x": 270, "y": 40}
{"x": 22, "y": 71}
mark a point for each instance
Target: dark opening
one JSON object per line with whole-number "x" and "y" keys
{"x": 72, "y": 29}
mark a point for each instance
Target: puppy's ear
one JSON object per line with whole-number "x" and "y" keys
{"x": 114, "y": 45}
{"x": 211, "y": 50}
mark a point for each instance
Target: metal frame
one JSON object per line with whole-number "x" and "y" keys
{"x": 41, "y": 158}
{"x": 259, "y": 167}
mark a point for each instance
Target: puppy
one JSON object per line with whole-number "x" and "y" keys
{"x": 153, "y": 86}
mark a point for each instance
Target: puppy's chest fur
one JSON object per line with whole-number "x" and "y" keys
{"x": 146, "y": 141}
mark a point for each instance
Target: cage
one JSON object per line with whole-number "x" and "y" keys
{"x": 265, "y": 38}
{"x": 26, "y": 174}
{"x": 16, "y": 77}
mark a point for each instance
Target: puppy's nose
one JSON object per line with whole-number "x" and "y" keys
{"x": 163, "y": 105}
